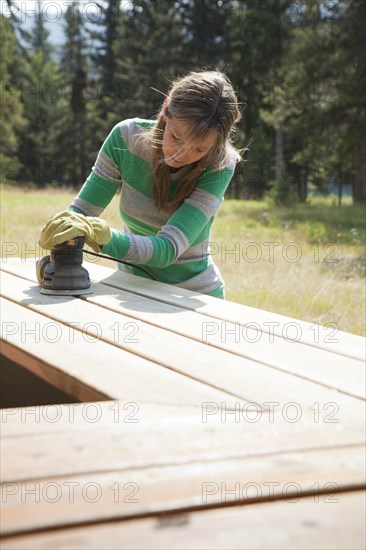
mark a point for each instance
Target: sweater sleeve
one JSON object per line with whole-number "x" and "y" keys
{"x": 181, "y": 229}
{"x": 105, "y": 177}
{"x": 115, "y": 163}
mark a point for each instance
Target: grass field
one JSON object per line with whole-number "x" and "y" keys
{"x": 306, "y": 262}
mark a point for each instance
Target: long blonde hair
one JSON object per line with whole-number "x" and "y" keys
{"x": 207, "y": 101}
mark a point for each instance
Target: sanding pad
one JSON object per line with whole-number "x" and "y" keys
{"x": 66, "y": 292}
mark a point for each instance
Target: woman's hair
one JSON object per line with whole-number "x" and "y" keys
{"x": 205, "y": 101}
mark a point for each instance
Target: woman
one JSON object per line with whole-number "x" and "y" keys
{"x": 173, "y": 173}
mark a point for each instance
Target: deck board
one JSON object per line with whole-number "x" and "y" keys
{"x": 219, "y": 441}
{"x": 72, "y": 500}
{"x": 223, "y": 370}
{"x": 159, "y": 435}
{"x": 280, "y": 525}
{"x": 91, "y": 372}
{"x": 349, "y": 345}
{"x": 303, "y": 359}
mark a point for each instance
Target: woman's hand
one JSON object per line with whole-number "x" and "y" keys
{"x": 67, "y": 225}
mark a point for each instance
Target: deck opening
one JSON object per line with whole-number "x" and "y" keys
{"x": 21, "y": 388}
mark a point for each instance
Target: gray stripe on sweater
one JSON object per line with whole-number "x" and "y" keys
{"x": 176, "y": 237}
{"x": 198, "y": 252}
{"x": 86, "y": 208}
{"x": 207, "y": 281}
{"x": 131, "y": 132}
{"x": 140, "y": 207}
{"x": 204, "y": 201}
{"x": 141, "y": 249}
{"x": 105, "y": 168}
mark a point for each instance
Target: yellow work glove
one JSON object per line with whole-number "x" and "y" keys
{"x": 67, "y": 225}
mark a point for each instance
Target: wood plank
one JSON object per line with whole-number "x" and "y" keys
{"x": 91, "y": 369}
{"x": 179, "y": 447}
{"x": 81, "y": 418}
{"x": 225, "y": 371}
{"x": 162, "y": 436}
{"x": 331, "y": 369}
{"x": 279, "y": 525}
{"x": 66, "y": 501}
{"x": 314, "y": 334}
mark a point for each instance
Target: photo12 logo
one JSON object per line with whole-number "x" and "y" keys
{"x": 52, "y": 12}
{"x": 87, "y": 413}
{"x": 252, "y": 332}
{"x": 237, "y": 491}
{"x": 252, "y": 412}
{"x": 69, "y": 492}
{"x": 272, "y": 251}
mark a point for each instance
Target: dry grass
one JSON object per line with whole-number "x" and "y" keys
{"x": 320, "y": 279}
{"x": 307, "y": 262}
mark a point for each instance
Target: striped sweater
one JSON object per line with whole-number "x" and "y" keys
{"x": 175, "y": 248}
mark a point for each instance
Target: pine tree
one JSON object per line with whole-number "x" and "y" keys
{"x": 38, "y": 147}
{"x": 204, "y": 28}
{"x": 149, "y": 56}
{"x": 74, "y": 126}
{"x": 104, "y": 62}
{"x": 11, "y": 109}
{"x": 322, "y": 108}
{"x": 107, "y": 56}
{"x": 347, "y": 115}
{"x": 11, "y": 12}
{"x": 256, "y": 36}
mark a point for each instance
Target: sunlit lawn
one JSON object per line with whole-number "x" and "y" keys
{"x": 306, "y": 262}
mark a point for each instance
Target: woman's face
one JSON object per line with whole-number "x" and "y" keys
{"x": 176, "y": 149}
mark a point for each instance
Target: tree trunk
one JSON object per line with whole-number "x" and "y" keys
{"x": 302, "y": 184}
{"x": 279, "y": 152}
{"x": 359, "y": 186}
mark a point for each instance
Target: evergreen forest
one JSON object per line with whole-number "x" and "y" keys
{"x": 299, "y": 69}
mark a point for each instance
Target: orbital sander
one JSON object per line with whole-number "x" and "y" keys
{"x": 61, "y": 273}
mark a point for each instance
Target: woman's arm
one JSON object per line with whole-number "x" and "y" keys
{"x": 182, "y": 228}
{"x": 105, "y": 178}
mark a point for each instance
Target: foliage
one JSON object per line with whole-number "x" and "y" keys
{"x": 74, "y": 127}
{"x": 148, "y": 58}
{"x": 299, "y": 69}
{"x": 11, "y": 108}
{"x": 40, "y": 98}
{"x": 283, "y": 191}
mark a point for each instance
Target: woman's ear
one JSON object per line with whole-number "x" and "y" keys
{"x": 165, "y": 110}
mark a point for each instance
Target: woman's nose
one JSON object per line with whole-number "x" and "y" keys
{"x": 180, "y": 154}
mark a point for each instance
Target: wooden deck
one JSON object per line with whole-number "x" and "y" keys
{"x": 196, "y": 423}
